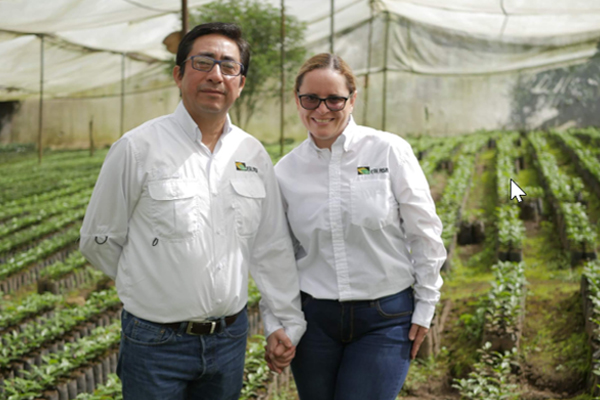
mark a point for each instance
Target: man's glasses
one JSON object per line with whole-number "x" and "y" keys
{"x": 206, "y": 64}
{"x": 333, "y": 103}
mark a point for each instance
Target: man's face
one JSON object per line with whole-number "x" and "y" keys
{"x": 210, "y": 93}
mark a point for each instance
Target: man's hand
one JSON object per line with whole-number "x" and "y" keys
{"x": 417, "y": 335}
{"x": 279, "y": 351}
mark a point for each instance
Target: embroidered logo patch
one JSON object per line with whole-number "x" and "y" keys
{"x": 371, "y": 171}
{"x": 241, "y": 166}
{"x": 364, "y": 170}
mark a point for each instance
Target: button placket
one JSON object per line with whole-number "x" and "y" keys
{"x": 335, "y": 218}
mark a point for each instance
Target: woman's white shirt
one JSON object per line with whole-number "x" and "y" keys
{"x": 363, "y": 220}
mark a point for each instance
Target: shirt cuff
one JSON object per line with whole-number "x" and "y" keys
{"x": 272, "y": 323}
{"x": 423, "y": 314}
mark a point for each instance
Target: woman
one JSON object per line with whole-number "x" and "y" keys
{"x": 367, "y": 241}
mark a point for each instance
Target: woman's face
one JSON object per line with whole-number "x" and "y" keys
{"x": 325, "y": 125}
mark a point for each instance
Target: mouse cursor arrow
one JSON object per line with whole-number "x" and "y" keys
{"x": 516, "y": 191}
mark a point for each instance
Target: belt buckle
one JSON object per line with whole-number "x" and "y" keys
{"x": 213, "y": 326}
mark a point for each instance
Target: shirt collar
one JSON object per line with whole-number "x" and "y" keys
{"x": 190, "y": 127}
{"x": 344, "y": 140}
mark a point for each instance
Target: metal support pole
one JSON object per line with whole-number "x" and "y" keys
{"x": 369, "y": 45}
{"x": 282, "y": 100}
{"x": 385, "y": 68}
{"x": 41, "y": 116}
{"x": 184, "y": 18}
{"x": 331, "y": 42}
{"x": 92, "y": 137}
{"x": 122, "y": 95}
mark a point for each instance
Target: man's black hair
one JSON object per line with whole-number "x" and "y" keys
{"x": 232, "y": 31}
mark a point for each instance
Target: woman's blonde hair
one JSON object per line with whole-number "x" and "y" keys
{"x": 326, "y": 60}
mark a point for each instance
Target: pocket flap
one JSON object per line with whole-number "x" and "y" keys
{"x": 252, "y": 188}
{"x": 173, "y": 189}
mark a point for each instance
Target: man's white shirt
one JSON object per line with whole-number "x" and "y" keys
{"x": 179, "y": 226}
{"x": 345, "y": 208}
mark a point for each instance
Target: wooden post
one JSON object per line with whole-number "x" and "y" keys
{"x": 122, "y": 128}
{"x": 184, "y": 18}
{"x": 385, "y": 67}
{"x": 92, "y": 137}
{"x": 331, "y": 17}
{"x": 369, "y": 45}
{"x": 41, "y": 116}
{"x": 282, "y": 99}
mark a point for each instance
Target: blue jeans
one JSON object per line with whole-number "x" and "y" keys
{"x": 354, "y": 350}
{"x": 156, "y": 362}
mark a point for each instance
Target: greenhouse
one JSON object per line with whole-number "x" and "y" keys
{"x": 498, "y": 99}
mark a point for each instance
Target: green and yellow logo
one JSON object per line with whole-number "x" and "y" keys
{"x": 241, "y": 166}
{"x": 364, "y": 170}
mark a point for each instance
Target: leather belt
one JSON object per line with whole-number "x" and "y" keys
{"x": 204, "y": 328}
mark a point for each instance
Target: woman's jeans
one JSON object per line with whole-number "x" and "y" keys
{"x": 160, "y": 363}
{"x": 354, "y": 350}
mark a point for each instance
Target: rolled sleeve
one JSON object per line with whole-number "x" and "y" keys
{"x": 105, "y": 225}
{"x": 273, "y": 267}
{"x": 423, "y": 230}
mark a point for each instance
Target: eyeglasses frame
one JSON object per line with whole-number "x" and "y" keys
{"x": 321, "y": 100}
{"x": 214, "y": 63}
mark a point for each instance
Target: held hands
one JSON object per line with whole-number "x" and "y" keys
{"x": 279, "y": 351}
{"x": 417, "y": 335}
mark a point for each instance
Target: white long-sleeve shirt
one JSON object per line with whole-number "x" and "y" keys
{"x": 345, "y": 208}
{"x": 179, "y": 227}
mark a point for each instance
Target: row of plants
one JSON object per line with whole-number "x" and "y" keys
{"x": 511, "y": 230}
{"x": 257, "y": 376}
{"x": 590, "y": 289}
{"x": 437, "y": 154}
{"x": 20, "y": 194}
{"x": 81, "y": 278}
{"x": 21, "y": 261}
{"x": 37, "y": 334}
{"x": 40, "y": 212}
{"x": 50, "y": 158}
{"x": 576, "y": 231}
{"x": 25, "y": 202}
{"x": 61, "y": 364}
{"x": 73, "y": 262}
{"x": 14, "y": 313}
{"x": 455, "y": 192}
{"x": 492, "y": 377}
{"x": 46, "y": 227}
{"x": 585, "y": 157}
{"x": 33, "y": 173}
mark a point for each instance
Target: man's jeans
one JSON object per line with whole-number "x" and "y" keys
{"x": 160, "y": 363}
{"x": 355, "y": 350}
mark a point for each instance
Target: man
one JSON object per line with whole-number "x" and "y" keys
{"x": 184, "y": 205}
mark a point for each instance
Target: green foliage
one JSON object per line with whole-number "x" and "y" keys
{"x": 32, "y": 305}
{"x": 511, "y": 230}
{"x": 491, "y": 378}
{"x": 505, "y": 298}
{"x": 111, "y": 390}
{"x": 256, "y": 370}
{"x": 261, "y": 27}
{"x": 457, "y": 187}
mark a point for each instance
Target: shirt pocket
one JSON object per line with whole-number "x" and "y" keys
{"x": 175, "y": 207}
{"x": 372, "y": 206}
{"x": 247, "y": 203}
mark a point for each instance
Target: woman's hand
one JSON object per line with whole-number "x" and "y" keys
{"x": 417, "y": 335}
{"x": 279, "y": 351}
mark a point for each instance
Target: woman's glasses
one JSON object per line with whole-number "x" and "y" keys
{"x": 333, "y": 103}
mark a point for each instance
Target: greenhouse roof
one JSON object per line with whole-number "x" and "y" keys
{"x": 84, "y": 39}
